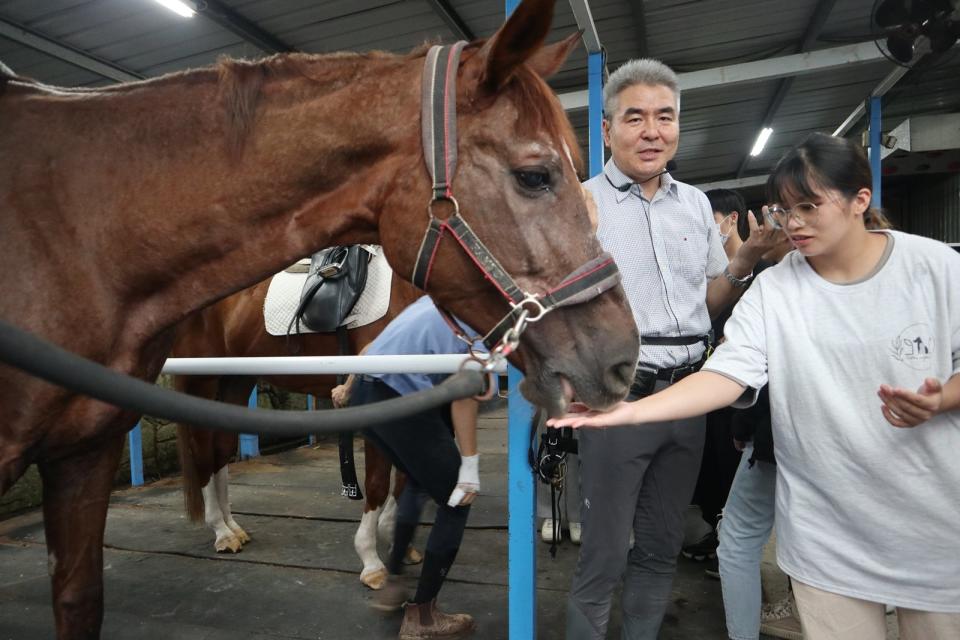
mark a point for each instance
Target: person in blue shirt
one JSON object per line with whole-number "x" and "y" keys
{"x": 423, "y": 447}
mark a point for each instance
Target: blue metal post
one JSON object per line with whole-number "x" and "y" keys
{"x": 250, "y": 444}
{"x": 522, "y": 561}
{"x": 311, "y": 439}
{"x": 135, "y": 438}
{"x": 875, "y": 159}
{"x": 595, "y": 113}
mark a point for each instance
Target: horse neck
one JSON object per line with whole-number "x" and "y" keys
{"x": 228, "y": 209}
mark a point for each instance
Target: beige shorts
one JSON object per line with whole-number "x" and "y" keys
{"x": 830, "y": 616}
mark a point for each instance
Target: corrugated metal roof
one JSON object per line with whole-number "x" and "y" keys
{"x": 718, "y": 124}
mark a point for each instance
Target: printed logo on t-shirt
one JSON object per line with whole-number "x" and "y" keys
{"x": 914, "y": 346}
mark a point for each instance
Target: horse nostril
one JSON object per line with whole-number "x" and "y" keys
{"x": 620, "y": 375}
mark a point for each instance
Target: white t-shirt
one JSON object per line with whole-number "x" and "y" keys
{"x": 864, "y": 509}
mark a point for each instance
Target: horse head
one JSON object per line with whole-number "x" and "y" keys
{"x": 517, "y": 187}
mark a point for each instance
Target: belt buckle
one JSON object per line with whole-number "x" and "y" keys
{"x": 679, "y": 373}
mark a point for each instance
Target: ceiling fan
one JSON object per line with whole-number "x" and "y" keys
{"x": 913, "y": 28}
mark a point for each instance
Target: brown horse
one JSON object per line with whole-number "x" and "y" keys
{"x": 125, "y": 209}
{"x": 234, "y": 327}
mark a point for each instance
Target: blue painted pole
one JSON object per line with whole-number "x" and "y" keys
{"x": 875, "y": 159}
{"x": 135, "y": 438}
{"x": 311, "y": 439}
{"x": 250, "y": 444}
{"x": 595, "y": 112}
{"x": 521, "y": 527}
{"x": 521, "y": 560}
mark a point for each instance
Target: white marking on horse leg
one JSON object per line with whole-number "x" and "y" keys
{"x": 387, "y": 522}
{"x": 374, "y": 572}
{"x": 213, "y": 516}
{"x": 222, "y": 481}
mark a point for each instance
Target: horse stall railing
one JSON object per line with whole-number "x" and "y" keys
{"x": 521, "y": 570}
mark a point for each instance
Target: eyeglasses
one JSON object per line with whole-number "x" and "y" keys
{"x": 804, "y": 213}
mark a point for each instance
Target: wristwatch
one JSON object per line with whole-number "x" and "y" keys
{"x": 739, "y": 283}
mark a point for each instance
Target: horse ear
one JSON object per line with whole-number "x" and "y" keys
{"x": 516, "y": 42}
{"x": 548, "y": 60}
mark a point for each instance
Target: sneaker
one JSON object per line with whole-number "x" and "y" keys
{"x": 546, "y": 531}
{"x": 703, "y": 549}
{"x": 712, "y": 570}
{"x": 786, "y": 628}
{"x": 575, "y": 530}
{"x": 777, "y": 610}
{"x": 427, "y": 621}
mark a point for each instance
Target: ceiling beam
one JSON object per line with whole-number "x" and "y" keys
{"x": 76, "y": 57}
{"x": 738, "y": 183}
{"x": 453, "y": 20}
{"x": 820, "y": 14}
{"x": 793, "y": 65}
{"x": 581, "y": 11}
{"x": 235, "y": 23}
{"x": 640, "y": 26}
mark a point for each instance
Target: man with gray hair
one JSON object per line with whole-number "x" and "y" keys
{"x": 662, "y": 234}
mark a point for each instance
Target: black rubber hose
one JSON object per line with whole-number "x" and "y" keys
{"x": 42, "y": 359}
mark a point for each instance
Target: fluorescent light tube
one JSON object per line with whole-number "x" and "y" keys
{"x": 178, "y": 7}
{"x": 761, "y": 141}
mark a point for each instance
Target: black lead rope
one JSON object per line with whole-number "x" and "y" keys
{"x": 42, "y": 359}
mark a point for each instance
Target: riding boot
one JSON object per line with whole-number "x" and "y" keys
{"x": 424, "y": 620}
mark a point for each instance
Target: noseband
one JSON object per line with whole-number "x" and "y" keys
{"x": 439, "y": 131}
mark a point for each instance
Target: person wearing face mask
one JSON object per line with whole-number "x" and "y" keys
{"x": 858, "y": 334}
{"x": 720, "y": 458}
{"x": 675, "y": 274}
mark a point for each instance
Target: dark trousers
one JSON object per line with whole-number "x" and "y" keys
{"x": 423, "y": 447}
{"x": 637, "y": 478}
{"x": 718, "y": 467}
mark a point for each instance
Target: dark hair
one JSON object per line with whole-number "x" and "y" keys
{"x": 726, "y": 201}
{"x": 821, "y": 162}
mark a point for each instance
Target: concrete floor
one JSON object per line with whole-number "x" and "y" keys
{"x": 298, "y": 578}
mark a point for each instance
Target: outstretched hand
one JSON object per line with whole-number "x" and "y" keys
{"x": 579, "y": 415}
{"x": 905, "y": 408}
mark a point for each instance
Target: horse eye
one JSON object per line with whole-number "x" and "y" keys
{"x": 536, "y": 179}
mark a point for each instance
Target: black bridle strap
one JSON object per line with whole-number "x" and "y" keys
{"x": 438, "y": 118}
{"x": 484, "y": 260}
{"x": 582, "y": 285}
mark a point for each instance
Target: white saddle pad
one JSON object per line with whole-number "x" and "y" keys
{"x": 283, "y": 296}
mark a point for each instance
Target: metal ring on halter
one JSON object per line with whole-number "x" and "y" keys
{"x": 451, "y": 199}
{"x": 491, "y": 388}
{"x": 530, "y": 300}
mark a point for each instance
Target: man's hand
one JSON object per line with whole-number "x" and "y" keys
{"x": 579, "y": 416}
{"x": 340, "y": 396}
{"x": 468, "y": 482}
{"x": 763, "y": 238}
{"x": 905, "y": 408}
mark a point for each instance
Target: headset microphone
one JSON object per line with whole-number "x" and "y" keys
{"x": 623, "y": 188}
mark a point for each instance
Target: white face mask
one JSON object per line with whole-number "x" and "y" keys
{"x": 724, "y": 237}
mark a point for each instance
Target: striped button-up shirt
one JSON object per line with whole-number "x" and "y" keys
{"x": 667, "y": 249}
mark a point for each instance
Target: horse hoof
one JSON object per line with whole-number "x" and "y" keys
{"x": 228, "y": 545}
{"x": 413, "y": 557}
{"x": 375, "y": 580}
{"x": 240, "y": 535}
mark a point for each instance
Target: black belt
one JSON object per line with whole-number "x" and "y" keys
{"x": 645, "y": 378}
{"x": 675, "y": 341}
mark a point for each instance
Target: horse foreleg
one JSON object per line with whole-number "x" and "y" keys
{"x": 376, "y": 485}
{"x": 76, "y": 492}
{"x": 225, "y": 444}
{"x": 213, "y": 510}
{"x": 374, "y": 572}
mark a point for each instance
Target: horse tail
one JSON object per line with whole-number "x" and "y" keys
{"x": 192, "y": 489}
